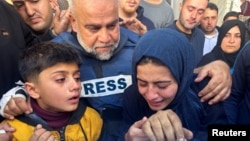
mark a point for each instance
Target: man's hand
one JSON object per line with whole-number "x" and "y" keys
{"x": 135, "y": 132}
{"x": 5, "y": 127}
{"x": 219, "y": 87}
{"x": 41, "y": 134}
{"x": 134, "y": 25}
{"x": 14, "y": 102}
{"x": 165, "y": 126}
{"x": 61, "y": 21}
{"x": 17, "y": 106}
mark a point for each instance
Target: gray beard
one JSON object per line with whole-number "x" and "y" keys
{"x": 101, "y": 56}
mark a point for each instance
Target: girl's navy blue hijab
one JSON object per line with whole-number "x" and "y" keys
{"x": 175, "y": 51}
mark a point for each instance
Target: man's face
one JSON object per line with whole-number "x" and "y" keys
{"x": 129, "y": 6}
{"x": 191, "y": 12}
{"x": 208, "y": 21}
{"x": 97, "y": 26}
{"x": 38, "y": 14}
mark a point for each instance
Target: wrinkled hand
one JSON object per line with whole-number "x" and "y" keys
{"x": 135, "y": 132}
{"x": 7, "y": 136}
{"x": 219, "y": 87}
{"x": 61, "y": 21}
{"x": 134, "y": 25}
{"x": 17, "y": 106}
{"x": 41, "y": 134}
{"x": 165, "y": 126}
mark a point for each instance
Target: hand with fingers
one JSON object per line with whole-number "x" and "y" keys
{"x": 219, "y": 86}
{"x": 166, "y": 126}
{"x": 61, "y": 21}
{"x": 6, "y": 131}
{"x": 41, "y": 134}
{"x": 14, "y": 103}
{"x": 134, "y": 25}
{"x": 17, "y": 106}
{"x": 135, "y": 132}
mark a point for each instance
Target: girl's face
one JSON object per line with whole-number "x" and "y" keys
{"x": 157, "y": 85}
{"x": 232, "y": 40}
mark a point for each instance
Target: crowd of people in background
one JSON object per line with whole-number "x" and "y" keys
{"x": 121, "y": 70}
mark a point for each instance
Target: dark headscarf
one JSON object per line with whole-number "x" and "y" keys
{"x": 219, "y": 54}
{"x": 175, "y": 51}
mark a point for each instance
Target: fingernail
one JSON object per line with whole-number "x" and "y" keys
{"x": 180, "y": 139}
{"x": 27, "y": 112}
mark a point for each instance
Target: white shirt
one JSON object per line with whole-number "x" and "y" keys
{"x": 210, "y": 42}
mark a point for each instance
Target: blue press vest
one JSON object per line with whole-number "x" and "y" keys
{"x": 103, "y": 82}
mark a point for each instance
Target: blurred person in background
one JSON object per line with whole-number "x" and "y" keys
{"x": 208, "y": 25}
{"x": 131, "y": 16}
{"x": 159, "y": 12}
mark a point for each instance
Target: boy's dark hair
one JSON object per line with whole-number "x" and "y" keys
{"x": 212, "y": 6}
{"x": 43, "y": 55}
{"x": 231, "y": 14}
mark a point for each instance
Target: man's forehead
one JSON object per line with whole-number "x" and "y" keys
{"x": 210, "y": 11}
{"x": 199, "y": 3}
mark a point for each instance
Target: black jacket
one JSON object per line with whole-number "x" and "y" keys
{"x": 14, "y": 36}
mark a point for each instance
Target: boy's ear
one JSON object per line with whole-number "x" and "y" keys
{"x": 31, "y": 90}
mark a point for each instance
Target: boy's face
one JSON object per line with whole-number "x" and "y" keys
{"x": 58, "y": 88}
